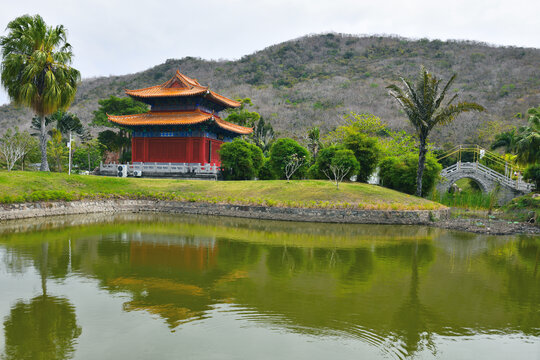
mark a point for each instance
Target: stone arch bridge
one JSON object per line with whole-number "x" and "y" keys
{"x": 487, "y": 178}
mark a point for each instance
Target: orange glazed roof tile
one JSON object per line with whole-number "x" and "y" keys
{"x": 176, "y": 118}
{"x": 181, "y": 85}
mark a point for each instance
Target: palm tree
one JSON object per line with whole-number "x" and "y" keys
{"x": 36, "y": 72}
{"x": 506, "y": 140}
{"x": 424, "y": 107}
{"x": 314, "y": 142}
{"x": 528, "y": 141}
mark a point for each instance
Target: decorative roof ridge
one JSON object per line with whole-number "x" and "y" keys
{"x": 146, "y": 88}
{"x": 166, "y": 112}
{"x": 232, "y": 102}
{"x": 186, "y": 79}
{"x": 164, "y": 118}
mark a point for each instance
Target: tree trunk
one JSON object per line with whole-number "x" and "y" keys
{"x": 43, "y": 145}
{"x": 421, "y": 163}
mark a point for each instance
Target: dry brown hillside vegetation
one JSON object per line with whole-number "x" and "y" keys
{"x": 315, "y": 80}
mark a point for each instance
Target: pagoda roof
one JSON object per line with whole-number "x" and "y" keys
{"x": 179, "y": 86}
{"x": 158, "y": 118}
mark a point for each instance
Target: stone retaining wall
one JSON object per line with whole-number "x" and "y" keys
{"x": 409, "y": 217}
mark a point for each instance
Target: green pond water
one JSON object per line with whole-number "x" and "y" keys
{"x": 186, "y": 287}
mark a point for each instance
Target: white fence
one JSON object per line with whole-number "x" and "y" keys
{"x": 489, "y": 173}
{"x": 162, "y": 169}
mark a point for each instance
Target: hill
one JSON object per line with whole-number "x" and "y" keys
{"x": 315, "y": 80}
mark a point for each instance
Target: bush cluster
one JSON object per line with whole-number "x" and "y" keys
{"x": 532, "y": 174}
{"x": 240, "y": 160}
{"x": 362, "y": 148}
{"x": 399, "y": 173}
{"x": 281, "y": 153}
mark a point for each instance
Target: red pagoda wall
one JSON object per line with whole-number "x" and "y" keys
{"x": 175, "y": 150}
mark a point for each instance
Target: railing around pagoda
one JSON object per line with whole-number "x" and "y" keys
{"x": 162, "y": 169}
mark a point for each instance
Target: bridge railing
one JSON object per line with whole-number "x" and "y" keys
{"x": 489, "y": 173}
{"x": 478, "y": 153}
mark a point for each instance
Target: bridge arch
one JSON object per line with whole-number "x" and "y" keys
{"x": 487, "y": 178}
{"x": 444, "y": 186}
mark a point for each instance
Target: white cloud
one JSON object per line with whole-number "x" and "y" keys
{"x": 119, "y": 37}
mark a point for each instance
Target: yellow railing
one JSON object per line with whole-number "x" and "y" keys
{"x": 481, "y": 153}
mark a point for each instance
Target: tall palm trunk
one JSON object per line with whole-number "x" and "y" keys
{"x": 421, "y": 164}
{"x": 43, "y": 145}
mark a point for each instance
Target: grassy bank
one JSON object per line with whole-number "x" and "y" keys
{"x": 18, "y": 186}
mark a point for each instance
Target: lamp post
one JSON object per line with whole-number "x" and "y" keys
{"x": 69, "y": 148}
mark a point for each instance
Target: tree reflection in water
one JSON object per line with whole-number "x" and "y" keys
{"x": 43, "y": 328}
{"x": 411, "y": 317}
{"x": 400, "y": 293}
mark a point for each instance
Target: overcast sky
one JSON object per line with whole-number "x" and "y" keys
{"x": 114, "y": 37}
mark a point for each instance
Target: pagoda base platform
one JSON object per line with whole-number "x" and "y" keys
{"x": 163, "y": 170}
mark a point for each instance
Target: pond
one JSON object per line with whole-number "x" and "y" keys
{"x": 161, "y": 287}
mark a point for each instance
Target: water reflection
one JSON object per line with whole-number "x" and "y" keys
{"x": 395, "y": 292}
{"x": 43, "y": 328}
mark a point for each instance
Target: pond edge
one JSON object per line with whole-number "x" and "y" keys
{"x": 404, "y": 217}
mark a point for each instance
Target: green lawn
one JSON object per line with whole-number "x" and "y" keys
{"x": 19, "y": 186}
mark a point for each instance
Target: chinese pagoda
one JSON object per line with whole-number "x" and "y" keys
{"x": 182, "y": 126}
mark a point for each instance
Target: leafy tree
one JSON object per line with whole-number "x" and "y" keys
{"x": 367, "y": 153}
{"x": 112, "y": 140}
{"x": 532, "y": 174}
{"x": 57, "y": 149}
{"x": 506, "y": 140}
{"x": 525, "y": 142}
{"x": 14, "y": 145}
{"x": 282, "y": 152}
{"x": 33, "y": 155}
{"x": 368, "y": 124}
{"x": 398, "y": 143}
{"x": 36, "y": 70}
{"x": 88, "y": 155}
{"x": 241, "y": 115}
{"x": 423, "y": 104}
{"x": 399, "y": 173}
{"x": 323, "y": 162}
{"x": 528, "y": 142}
{"x": 117, "y": 141}
{"x": 240, "y": 160}
{"x": 344, "y": 164}
{"x": 67, "y": 123}
{"x": 294, "y": 163}
{"x": 266, "y": 172}
{"x": 116, "y": 106}
{"x": 263, "y": 135}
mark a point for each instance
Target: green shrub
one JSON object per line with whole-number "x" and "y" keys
{"x": 346, "y": 163}
{"x": 240, "y": 160}
{"x": 532, "y": 174}
{"x": 280, "y": 154}
{"x": 399, "y": 173}
{"x": 324, "y": 159}
{"x": 366, "y": 151}
{"x": 266, "y": 172}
